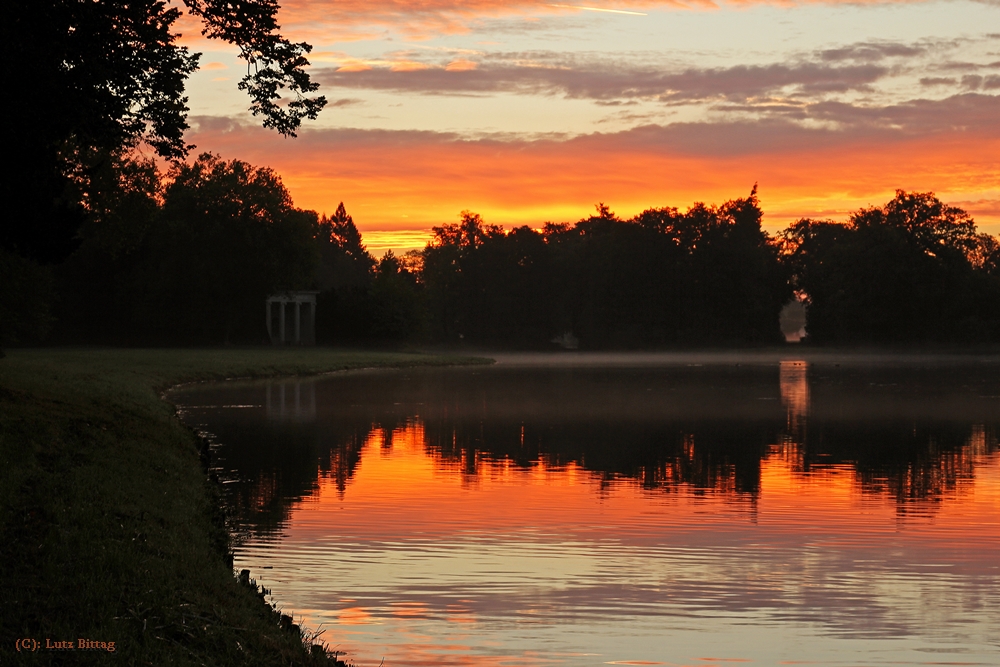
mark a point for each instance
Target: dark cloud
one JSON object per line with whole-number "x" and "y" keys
{"x": 780, "y": 128}
{"x": 616, "y": 103}
{"x": 747, "y": 81}
{"x": 854, "y": 67}
{"x": 778, "y": 132}
{"x": 345, "y": 102}
{"x": 872, "y": 51}
{"x": 937, "y": 81}
{"x": 968, "y": 111}
{"x": 219, "y": 125}
{"x": 956, "y": 66}
{"x": 977, "y": 82}
{"x": 616, "y": 81}
{"x": 972, "y": 82}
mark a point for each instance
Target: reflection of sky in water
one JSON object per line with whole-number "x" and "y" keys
{"x": 416, "y": 560}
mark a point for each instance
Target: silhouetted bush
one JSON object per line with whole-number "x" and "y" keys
{"x": 26, "y": 296}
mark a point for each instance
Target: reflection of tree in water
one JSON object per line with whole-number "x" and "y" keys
{"x": 915, "y": 438}
{"x": 726, "y": 458}
{"x": 275, "y": 457}
{"x": 912, "y": 446}
{"x": 898, "y": 449}
{"x": 793, "y": 384}
{"x": 271, "y": 480}
{"x": 923, "y": 463}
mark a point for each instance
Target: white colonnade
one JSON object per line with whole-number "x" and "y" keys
{"x": 292, "y": 326}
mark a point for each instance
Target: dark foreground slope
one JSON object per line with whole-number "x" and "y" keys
{"x": 109, "y": 529}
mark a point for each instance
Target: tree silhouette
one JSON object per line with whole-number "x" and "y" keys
{"x": 344, "y": 278}
{"x": 396, "y": 301}
{"x": 914, "y": 270}
{"x": 105, "y": 76}
{"x": 26, "y": 291}
{"x": 200, "y": 264}
{"x": 710, "y": 275}
{"x": 229, "y": 236}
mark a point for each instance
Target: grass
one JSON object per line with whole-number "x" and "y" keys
{"x": 109, "y": 529}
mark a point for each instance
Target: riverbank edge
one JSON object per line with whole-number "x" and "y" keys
{"x": 113, "y": 536}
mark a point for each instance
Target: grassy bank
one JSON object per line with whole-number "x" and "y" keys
{"x": 109, "y": 531}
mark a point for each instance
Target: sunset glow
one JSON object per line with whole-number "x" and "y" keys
{"x": 416, "y": 533}
{"x": 775, "y": 511}
{"x": 546, "y": 498}
{"x": 530, "y": 183}
{"x": 531, "y": 112}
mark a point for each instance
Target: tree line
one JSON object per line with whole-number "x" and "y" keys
{"x": 189, "y": 257}
{"x": 99, "y": 247}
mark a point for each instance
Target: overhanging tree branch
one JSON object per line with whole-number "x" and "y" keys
{"x": 274, "y": 64}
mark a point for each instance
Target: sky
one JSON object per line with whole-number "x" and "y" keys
{"x": 531, "y": 112}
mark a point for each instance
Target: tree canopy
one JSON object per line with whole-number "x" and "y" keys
{"x": 98, "y": 78}
{"x": 710, "y": 275}
{"x": 190, "y": 258}
{"x": 203, "y": 252}
{"x": 914, "y": 270}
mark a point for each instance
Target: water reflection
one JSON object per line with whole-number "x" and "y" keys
{"x": 794, "y": 387}
{"x": 290, "y": 401}
{"x": 588, "y": 516}
{"x": 915, "y": 437}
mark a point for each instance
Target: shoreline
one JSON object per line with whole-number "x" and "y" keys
{"x": 748, "y": 356}
{"x": 113, "y": 531}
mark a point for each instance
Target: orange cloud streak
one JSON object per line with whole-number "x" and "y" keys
{"x": 410, "y": 181}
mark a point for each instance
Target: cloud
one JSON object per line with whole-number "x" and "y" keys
{"x": 609, "y": 81}
{"x": 965, "y": 112}
{"x": 951, "y": 147}
{"x": 852, "y": 68}
{"x": 981, "y": 209}
{"x": 461, "y": 65}
{"x": 417, "y": 18}
{"x": 331, "y": 21}
{"x": 937, "y": 81}
{"x": 872, "y": 51}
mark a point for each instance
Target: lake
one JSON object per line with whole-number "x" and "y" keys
{"x": 712, "y": 509}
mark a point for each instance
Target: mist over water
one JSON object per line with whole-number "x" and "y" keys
{"x": 626, "y": 509}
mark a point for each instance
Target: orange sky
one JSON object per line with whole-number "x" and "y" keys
{"x": 409, "y": 182}
{"x": 528, "y": 111}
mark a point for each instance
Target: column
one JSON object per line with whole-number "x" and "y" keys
{"x": 298, "y": 322}
{"x": 311, "y": 323}
{"x": 282, "y": 320}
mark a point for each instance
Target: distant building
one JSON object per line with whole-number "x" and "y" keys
{"x": 291, "y": 318}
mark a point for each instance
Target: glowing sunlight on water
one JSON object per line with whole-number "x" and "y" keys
{"x": 460, "y": 533}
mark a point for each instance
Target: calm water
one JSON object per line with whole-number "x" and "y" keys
{"x": 674, "y": 511}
